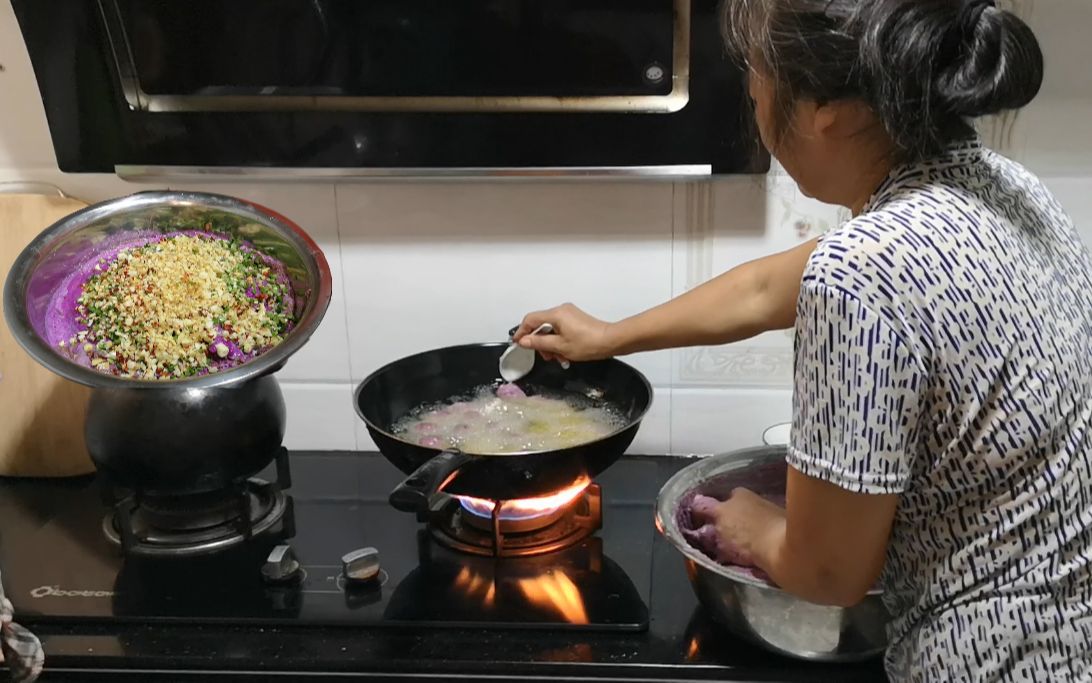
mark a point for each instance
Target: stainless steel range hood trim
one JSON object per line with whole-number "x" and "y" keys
{"x": 139, "y": 100}
{"x": 136, "y": 173}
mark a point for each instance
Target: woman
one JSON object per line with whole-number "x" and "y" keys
{"x": 943, "y": 375}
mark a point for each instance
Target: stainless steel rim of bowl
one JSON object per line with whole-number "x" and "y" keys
{"x": 688, "y": 478}
{"x": 313, "y": 260}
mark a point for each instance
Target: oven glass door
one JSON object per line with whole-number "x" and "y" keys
{"x": 401, "y": 55}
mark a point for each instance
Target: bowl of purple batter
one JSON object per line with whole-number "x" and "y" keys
{"x": 741, "y": 599}
{"x": 44, "y": 284}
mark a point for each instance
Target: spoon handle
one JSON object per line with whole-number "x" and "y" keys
{"x": 544, "y": 328}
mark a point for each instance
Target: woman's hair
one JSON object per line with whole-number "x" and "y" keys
{"x": 925, "y": 67}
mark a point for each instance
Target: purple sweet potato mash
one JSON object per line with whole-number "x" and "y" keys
{"x": 767, "y": 481}
{"x": 63, "y": 323}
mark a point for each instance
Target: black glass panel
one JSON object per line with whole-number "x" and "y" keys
{"x": 339, "y": 504}
{"x": 402, "y": 47}
{"x": 197, "y": 46}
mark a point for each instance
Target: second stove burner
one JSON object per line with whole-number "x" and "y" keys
{"x": 265, "y": 503}
{"x": 157, "y": 525}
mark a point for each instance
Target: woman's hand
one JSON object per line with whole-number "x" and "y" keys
{"x": 577, "y": 335}
{"x": 828, "y": 547}
{"x": 746, "y": 524}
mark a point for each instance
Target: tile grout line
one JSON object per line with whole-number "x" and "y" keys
{"x": 345, "y": 307}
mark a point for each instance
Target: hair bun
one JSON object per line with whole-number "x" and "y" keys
{"x": 925, "y": 67}
{"x": 998, "y": 64}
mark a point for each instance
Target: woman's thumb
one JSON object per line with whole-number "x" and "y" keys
{"x": 543, "y": 343}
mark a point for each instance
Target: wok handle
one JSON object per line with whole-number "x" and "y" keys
{"x": 413, "y": 493}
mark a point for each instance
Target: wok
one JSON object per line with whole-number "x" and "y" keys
{"x": 434, "y": 376}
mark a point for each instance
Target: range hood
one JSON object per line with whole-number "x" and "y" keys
{"x": 284, "y": 89}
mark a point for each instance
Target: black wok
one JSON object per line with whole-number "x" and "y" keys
{"x": 433, "y": 376}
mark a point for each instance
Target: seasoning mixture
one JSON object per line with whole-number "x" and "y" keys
{"x": 179, "y": 305}
{"x": 507, "y": 420}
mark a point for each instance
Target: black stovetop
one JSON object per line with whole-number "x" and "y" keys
{"x": 433, "y": 614}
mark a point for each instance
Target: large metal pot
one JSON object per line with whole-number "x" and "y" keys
{"x": 56, "y": 252}
{"x": 750, "y": 607}
{"x": 184, "y": 435}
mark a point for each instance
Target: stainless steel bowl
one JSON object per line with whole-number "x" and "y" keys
{"x": 749, "y": 607}
{"x": 46, "y": 261}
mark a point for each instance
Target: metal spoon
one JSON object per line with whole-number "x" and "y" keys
{"x": 517, "y": 361}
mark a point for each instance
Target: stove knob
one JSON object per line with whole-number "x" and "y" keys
{"x": 361, "y": 565}
{"x": 281, "y": 566}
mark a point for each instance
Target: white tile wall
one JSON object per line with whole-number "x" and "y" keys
{"x": 721, "y": 419}
{"x": 320, "y": 416}
{"x": 1075, "y": 194}
{"x": 24, "y": 136}
{"x": 429, "y": 265}
{"x": 418, "y": 266}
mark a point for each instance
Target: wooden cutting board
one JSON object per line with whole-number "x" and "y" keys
{"x": 41, "y": 414}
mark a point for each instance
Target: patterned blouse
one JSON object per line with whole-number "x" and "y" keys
{"x": 944, "y": 354}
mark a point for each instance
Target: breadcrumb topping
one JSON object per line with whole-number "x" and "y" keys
{"x": 181, "y": 306}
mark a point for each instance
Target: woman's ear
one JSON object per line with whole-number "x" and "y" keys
{"x": 814, "y": 121}
{"x": 825, "y": 118}
{"x": 842, "y": 118}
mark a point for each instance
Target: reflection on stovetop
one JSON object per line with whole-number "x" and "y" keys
{"x": 433, "y": 612}
{"x": 579, "y": 585}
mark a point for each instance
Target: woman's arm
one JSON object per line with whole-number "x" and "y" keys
{"x": 750, "y": 299}
{"x": 828, "y": 546}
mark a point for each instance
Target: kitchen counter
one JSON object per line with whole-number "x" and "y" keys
{"x": 680, "y": 644}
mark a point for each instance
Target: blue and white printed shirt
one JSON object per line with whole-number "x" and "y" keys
{"x": 944, "y": 353}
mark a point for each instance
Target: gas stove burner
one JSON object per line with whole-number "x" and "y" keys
{"x": 518, "y": 522}
{"x": 522, "y": 515}
{"x": 154, "y": 525}
{"x": 518, "y": 528}
{"x": 194, "y": 514}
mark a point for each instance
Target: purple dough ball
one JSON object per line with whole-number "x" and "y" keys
{"x": 432, "y": 442}
{"x": 510, "y": 391}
